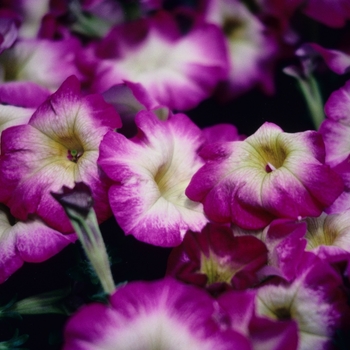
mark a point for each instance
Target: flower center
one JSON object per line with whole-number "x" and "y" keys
{"x": 233, "y": 28}
{"x": 216, "y": 269}
{"x": 161, "y": 178}
{"x": 283, "y": 314}
{"x": 273, "y": 156}
{"x": 319, "y": 232}
{"x": 74, "y": 155}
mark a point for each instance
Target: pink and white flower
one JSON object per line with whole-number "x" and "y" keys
{"x": 178, "y": 71}
{"x": 58, "y": 146}
{"x": 266, "y": 176}
{"x": 315, "y": 300}
{"x": 251, "y": 51}
{"x": 44, "y": 62}
{"x": 152, "y": 315}
{"x": 239, "y": 308}
{"x": 329, "y": 235}
{"x": 27, "y": 241}
{"x": 150, "y": 174}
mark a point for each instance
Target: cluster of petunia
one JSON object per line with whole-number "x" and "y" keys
{"x": 260, "y": 225}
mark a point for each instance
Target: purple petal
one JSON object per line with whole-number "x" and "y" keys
{"x": 148, "y": 314}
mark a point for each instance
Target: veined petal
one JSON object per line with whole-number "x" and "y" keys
{"x": 268, "y": 175}
{"x": 151, "y": 172}
{"x": 314, "y": 300}
{"x": 59, "y": 146}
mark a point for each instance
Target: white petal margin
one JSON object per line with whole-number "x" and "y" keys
{"x": 151, "y": 173}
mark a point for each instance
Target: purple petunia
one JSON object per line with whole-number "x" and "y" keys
{"x": 150, "y": 173}
{"x": 152, "y": 315}
{"x": 58, "y": 146}
{"x": 266, "y": 176}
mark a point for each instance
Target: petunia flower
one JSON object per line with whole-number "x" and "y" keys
{"x": 178, "y": 71}
{"x": 58, "y": 146}
{"x": 27, "y": 241}
{"x": 164, "y": 314}
{"x": 215, "y": 259}
{"x": 314, "y": 300}
{"x": 44, "y": 62}
{"x": 239, "y": 308}
{"x": 251, "y": 51}
{"x": 266, "y": 176}
{"x": 329, "y": 235}
{"x": 150, "y": 174}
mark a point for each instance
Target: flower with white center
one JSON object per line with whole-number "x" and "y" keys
{"x": 314, "y": 300}
{"x": 44, "y": 62}
{"x": 271, "y": 174}
{"x": 329, "y": 235}
{"x": 239, "y": 314}
{"x": 59, "y": 146}
{"x": 251, "y": 51}
{"x": 164, "y": 315}
{"x": 150, "y": 174}
{"x": 177, "y": 71}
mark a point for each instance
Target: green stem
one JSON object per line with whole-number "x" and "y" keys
{"x": 91, "y": 239}
{"x": 313, "y": 98}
